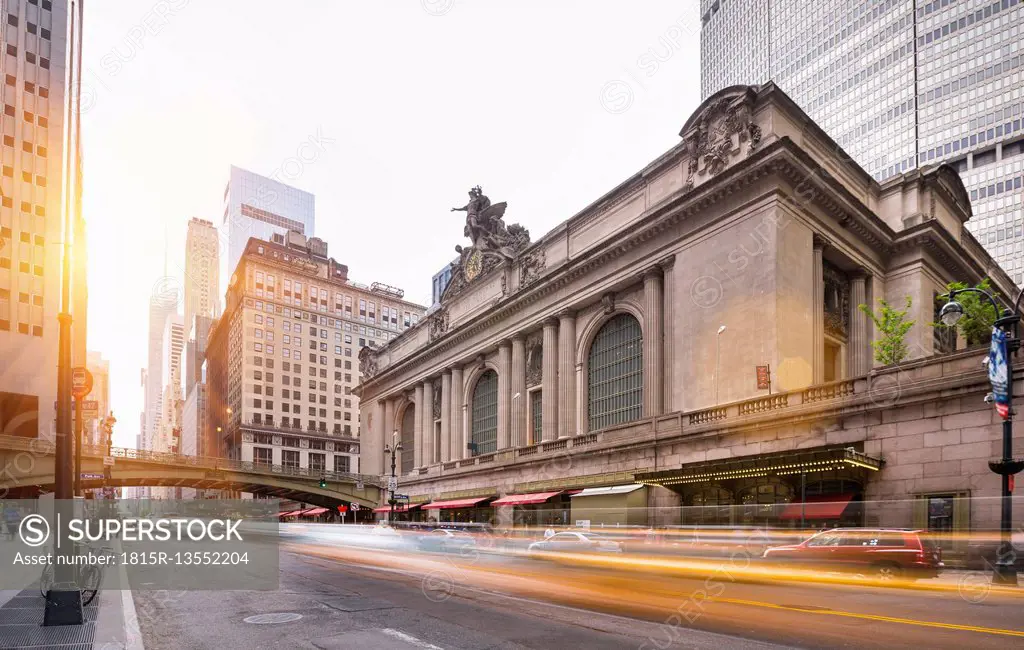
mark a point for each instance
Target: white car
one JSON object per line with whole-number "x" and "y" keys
{"x": 570, "y": 542}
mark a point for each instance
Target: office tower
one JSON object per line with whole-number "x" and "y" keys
{"x": 195, "y": 350}
{"x": 284, "y": 357}
{"x": 172, "y": 345}
{"x": 202, "y": 271}
{"x": 162, "y": 304}
{"x": 440, "y": 282}
{"x": 897, "y": 84}
{"x": 34, "y": 41}
{"x": 100, "y": 369}
{"x": 260, "y": 207}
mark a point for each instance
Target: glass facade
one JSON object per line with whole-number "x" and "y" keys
{"x": 485, "y": 414}
{"x": 615, "y": 373}
{"x": 897, "y": 84}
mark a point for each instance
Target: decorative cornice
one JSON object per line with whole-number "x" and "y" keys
{"x": 780, "y": 157}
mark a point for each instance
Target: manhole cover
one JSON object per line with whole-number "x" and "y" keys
{"x": 273, "y": 619}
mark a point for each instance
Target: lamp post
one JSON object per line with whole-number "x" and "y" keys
{"x": 718, "y": 355}
{"x": 392, "y": 449}
{"x": 1005, "y": 570}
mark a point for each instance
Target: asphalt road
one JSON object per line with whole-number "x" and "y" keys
{"x": 343, "y": 606}
{"x": 400, "y": 601}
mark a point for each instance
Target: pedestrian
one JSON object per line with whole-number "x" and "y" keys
{"x": 550, "y": 532}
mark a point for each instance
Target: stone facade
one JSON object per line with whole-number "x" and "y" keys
{"x": 756, "y": 221}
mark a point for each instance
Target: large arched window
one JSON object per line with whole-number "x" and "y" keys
{"x": 615, "y": 390}
{"x": 408, "y": 455}
{"x": 485, "y": 414}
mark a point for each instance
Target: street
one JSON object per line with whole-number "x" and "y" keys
{"x": 497, "y": 602}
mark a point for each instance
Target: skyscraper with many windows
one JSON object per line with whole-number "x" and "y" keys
{"x": 35, "y": 45}
{"x": 260, "y": 207}
{"x": 897, "y": 84}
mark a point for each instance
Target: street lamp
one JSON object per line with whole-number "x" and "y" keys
{"x": 718, "y": 355}
{"x": 392, "y": 449}
{"x": 1005, "y": 570}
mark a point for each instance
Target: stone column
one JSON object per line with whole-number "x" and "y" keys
{"x": 567, "y": 374}
{"x": 518, "y": 381}
{"x": 858, "y": 326}
{"x": 418, "y": 427}
{"x": 504, "y": 397}
{"x": 818, "y": 314}
{"x": 458, "y": 430}
{"x": 446, "y": 416}
{"x": 389, "y": 424}
{"x": 654, "y": 356}
{"x": 429, "y": 453}
{"x": 378, "y": 440}
{"x": 549, "y": 381}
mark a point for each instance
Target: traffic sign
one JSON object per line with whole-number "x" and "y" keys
{"x": 342, "y": 508}
{"x": 359, "y": 485}
{"x": 108, "y": 461}
{"x": 355, "y": 507}
{"x": 392, "y": 483}
{"x": 91, "y": 476}
{"x": 81, "y": 382}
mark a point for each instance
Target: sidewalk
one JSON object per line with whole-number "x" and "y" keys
{"x": 110, "y": 623}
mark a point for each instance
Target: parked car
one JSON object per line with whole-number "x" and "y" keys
{"x": 573, "y": 542}
{"x": 447, "y": 541}
{"x": 887, "y": 554}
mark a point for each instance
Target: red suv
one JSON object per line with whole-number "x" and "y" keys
{"x": 886, "y": 554}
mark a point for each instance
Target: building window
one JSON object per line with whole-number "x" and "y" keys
{"x": 408, "y": 436}
{"x": 262, "y": 456}
{"x": 317, "y": 462}
{"x": 485, "y": 414}
{"x": 615, "y": 373}
{"x": 342, "y": 464}
{"x": 290, "y": 458}
{"x": 536, "y": 417}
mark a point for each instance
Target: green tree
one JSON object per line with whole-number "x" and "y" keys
{"x": 893, "y": 326}
{"x": 979, "y": 315}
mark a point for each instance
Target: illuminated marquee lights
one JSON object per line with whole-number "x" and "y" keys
{"x": 849, "y": 458}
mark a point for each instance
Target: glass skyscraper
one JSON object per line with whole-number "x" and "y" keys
{"x": 897, "y": 84}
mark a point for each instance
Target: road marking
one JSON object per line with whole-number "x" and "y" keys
{"x": 872, "y": 617}
{"x": 410, "y": 639}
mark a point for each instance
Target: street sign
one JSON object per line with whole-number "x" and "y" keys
{"x": 342, "y": 508}
{"x": 392, "y": 483}
{"x": 401, "y": 497}
{"x": 91, "y": 476}
{"x": 81, "y": 382}
{"x": 355, "y": 507}
{"x": 108, "y": 461}
{"x": 359, "y": 485}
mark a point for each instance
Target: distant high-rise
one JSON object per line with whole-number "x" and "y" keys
{"x": 162, "y": 304}
{"x": 172, "y": 346}
{"x": 897, "y": 84}
{"x": 100, "y": 369}
{"x": 260, "y": 207}
{"x": 440, "y": 282}
{"x": 202, "y": 271}
{"x": 35, "y": 41}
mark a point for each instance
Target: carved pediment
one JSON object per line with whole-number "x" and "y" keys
{"x": 715, "y": 134}
{"x": 438, "y": 322}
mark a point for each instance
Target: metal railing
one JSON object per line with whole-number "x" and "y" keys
{"x": 44, "y": 448}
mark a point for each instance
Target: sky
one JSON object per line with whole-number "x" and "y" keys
{"x": 408, "y": 103}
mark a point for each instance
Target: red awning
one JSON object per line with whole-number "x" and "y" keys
{"x": 524, "y": 499}
{"x": 398, "y": 509}
{"x": 291, "y": 513}
{"x": 313, "y": 512}
{"x": 457, "y": 503}
{"x": 818, "y": 507}
{"x": 284, "y": 514}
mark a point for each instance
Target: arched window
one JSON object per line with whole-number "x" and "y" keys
{"x": 615, "y": 391}
{"x": 408, "y": 455}
{"x": 485, "y": 414}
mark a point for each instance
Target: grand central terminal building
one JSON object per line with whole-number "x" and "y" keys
{"x": 690, "y": 347}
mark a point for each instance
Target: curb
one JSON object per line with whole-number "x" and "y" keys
{"x": 117, "y": 623}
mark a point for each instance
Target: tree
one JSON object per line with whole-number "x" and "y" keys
{"x": 893, "y": 326}
{"x": 979, "y": 315}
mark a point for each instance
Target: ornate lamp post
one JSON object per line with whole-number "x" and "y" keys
{"x": 1000, "y": 372}
{"x": 393, "y": 450}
